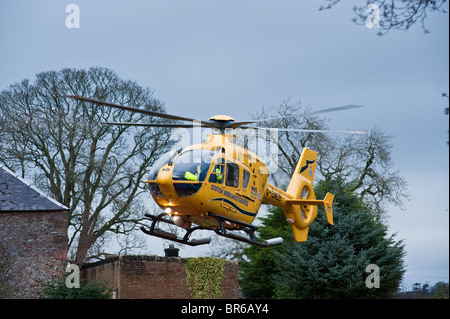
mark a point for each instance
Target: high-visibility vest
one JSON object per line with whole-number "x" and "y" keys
{"x": 218, "y": 175}
{"x": 190, "y": 177}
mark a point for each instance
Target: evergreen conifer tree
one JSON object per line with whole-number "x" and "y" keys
{"x": 332, "y": 262}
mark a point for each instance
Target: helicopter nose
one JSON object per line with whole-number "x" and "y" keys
{"x": 165, "y": 181}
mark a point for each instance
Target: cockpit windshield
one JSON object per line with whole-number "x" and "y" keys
{"x": 192, "y": 165}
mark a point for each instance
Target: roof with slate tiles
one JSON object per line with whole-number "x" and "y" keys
{"x": 16, "y": 194}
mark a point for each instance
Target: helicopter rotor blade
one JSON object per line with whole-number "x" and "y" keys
{"x": 157, "y": 124}
{"x": 214, "y": 123}
{"x": 240, "y": 124}
{"x": 137, "y": 110}
{"x": 320, "y": 131}
{"x": 335, "y": 109}
{"x": 302, "y": 130}
{"x": 331, "y": 109}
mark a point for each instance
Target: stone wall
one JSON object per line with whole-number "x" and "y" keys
{"x": 33, "y": 250}
{"x": 153, "y": 277}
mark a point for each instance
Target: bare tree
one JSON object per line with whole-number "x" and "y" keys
{"x": 395, "y": 14}
{"x": 94, "y": 169}
{"x": 366, "y": 161}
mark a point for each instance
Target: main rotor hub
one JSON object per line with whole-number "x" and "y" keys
{"x": 224, "y": 118}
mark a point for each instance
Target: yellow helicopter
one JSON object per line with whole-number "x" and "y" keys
{"x": 220, "y": 186}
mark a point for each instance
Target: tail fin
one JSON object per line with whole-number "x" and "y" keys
{"x": 301, "y": 210}
{"x": 304, "y": 173}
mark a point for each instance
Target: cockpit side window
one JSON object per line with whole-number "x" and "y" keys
{"x": 232, "y": 175}
{"x": 245, "y": 178}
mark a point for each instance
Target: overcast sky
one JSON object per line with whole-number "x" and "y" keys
{"x": 205, "y": 57}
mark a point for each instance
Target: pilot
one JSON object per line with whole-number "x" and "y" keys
{"x": 193, "y": 177}
{"x": 190, "y": 177}
{"x": 219, "y": 176}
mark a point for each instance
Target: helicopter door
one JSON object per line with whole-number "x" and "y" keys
{"x": 218, "y": 172}
{"x": 244, "y": 188}
{"x": 231, "y": 180}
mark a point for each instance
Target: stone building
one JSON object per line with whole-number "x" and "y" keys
{"x": 33, "y": 237}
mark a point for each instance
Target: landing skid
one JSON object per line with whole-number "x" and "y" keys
{"x": 169, "y": 236}
{"x": 221, "y": 231}
{"x": 247, "y": 228}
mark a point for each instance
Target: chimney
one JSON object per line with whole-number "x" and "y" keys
{"x": 171, "y": 251}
